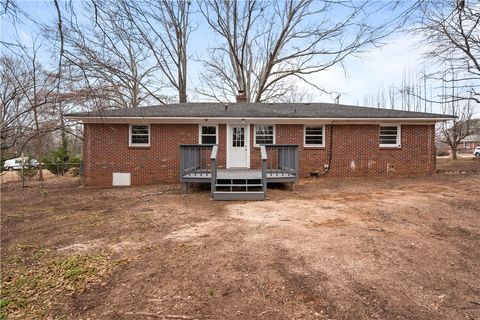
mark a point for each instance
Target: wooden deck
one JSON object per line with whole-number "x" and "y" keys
{"x": 198, "y": 163}
{"x": 241, "y": 174}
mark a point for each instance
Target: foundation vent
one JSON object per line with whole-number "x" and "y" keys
{"x": 121, "y": 179}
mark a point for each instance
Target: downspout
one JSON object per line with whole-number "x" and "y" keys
{"x": 330, "y": 148}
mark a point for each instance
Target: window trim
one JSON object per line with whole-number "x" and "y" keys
{"x": 200, "y": 126}
{"x": 305, "y": 145}
{"x": 399, "y": 136}
{"x": 139, "y": 145}
{"x": 255, "y": 133}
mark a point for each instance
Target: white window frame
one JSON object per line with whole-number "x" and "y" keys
{"x": 305, "y": 136}
{"x": 130, "y": 144}
{"x": 200, "y": 126}
{"x": 399, "y": 136}
{"x": 255, "y": 133}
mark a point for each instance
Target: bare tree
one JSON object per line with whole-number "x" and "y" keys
{"x": 105, "y": 52}
{"x": 266, "y": 45}
{"x": 454, "y": 131}
{"x": 164, "y": 27}
{"x": 296, "y": 94}
{"x": 14, "y": 112}
{"x": 450, "y": 29}
{"x": 36, "y": 85}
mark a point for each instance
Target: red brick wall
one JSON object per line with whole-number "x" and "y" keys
{"x": 355, "y": 152}
{"x": 468, "y": 146}
{"x": 106, "y": 151}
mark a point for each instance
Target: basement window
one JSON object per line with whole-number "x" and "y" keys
{"x": 389, "y": 136}
{"x": 314, "y": 136}
{"x": 208, "y": 135}
{"x": 264, "y": 134}
{"x": 139, "y": 135}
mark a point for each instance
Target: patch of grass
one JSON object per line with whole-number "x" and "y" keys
{"x": 36, "y": 273}
{"x": 211, "y": 292}
{"x": 4, "y": 303}
{"x": 3, "y": 308}
{"x": 77, "y": 268}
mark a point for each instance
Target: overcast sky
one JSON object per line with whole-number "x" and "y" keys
{"x": 366, "y": 75}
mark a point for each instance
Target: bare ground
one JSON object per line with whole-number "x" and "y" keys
{"x": 380, "y": 248}
{"x": 464, "y": 164}
{"x": 15, "y": 176}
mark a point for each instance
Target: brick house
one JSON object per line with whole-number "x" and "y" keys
{"x": 240, "y": 147}
{"x": 469, "y": 143}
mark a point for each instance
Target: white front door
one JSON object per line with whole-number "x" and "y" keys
{"x": 238, "y": 146}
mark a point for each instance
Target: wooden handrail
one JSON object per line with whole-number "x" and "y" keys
{"x": 213, "y": 170}
{"x": 213, "y": 156}
{"x": 263, "y": 151}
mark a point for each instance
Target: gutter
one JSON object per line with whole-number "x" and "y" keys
{"x": 248, "y": 119}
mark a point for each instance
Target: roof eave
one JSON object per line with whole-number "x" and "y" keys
{"x": 103, "y": 119}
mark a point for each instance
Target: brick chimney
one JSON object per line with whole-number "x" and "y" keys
{"x": 241, "y": 96}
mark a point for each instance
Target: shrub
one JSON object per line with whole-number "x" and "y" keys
{"x": 28, "y": 172}
{"x": 60, "y": 161}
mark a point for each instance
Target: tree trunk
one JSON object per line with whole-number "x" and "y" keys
{"x": 39, "y": 141}
{"x": 182, "y": 93}
{"x": 39, "y": 157}
{"x": 454, "y": 153}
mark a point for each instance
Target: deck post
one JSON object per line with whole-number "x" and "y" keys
{"x": 213, "y": 171}
{"x": 185, "y": 187}
{"x": 297, "y": 163}
{"x": 213, "y": 176}
{"x": 263, "y": 151}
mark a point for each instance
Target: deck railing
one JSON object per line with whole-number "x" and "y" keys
{"x": 282, "y": 160}
{"x": 263, "y": 151}
{"x": 213, "y": 159}
{"x": 195, "y": 160}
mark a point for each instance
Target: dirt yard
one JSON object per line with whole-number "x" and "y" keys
{"x": 15, "y": 176}
{"x": 461, "y": 165}
{"x": 352, "y": 249}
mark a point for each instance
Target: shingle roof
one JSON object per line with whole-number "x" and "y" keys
{"x": 472, "y": 138}
{"x": 259, "y": 110}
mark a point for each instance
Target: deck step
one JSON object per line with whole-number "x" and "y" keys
{"x": 239, "y": 195}
{"x": 239, "y": 185}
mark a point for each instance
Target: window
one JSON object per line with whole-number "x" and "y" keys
{"x": 314, "y": 136}
{"x": 390, "y": 136}
{"x": 238, "y": 137}
{"x": 208, "y": 134}
{"x": 264, "y": 134}
{"x": 139, "y": 135}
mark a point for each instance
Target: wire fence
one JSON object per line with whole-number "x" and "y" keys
{"x": 29, "y": 175}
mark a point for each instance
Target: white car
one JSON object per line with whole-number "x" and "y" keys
{"x": 16, "y": 163}
{"x": 476, "y": 152}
